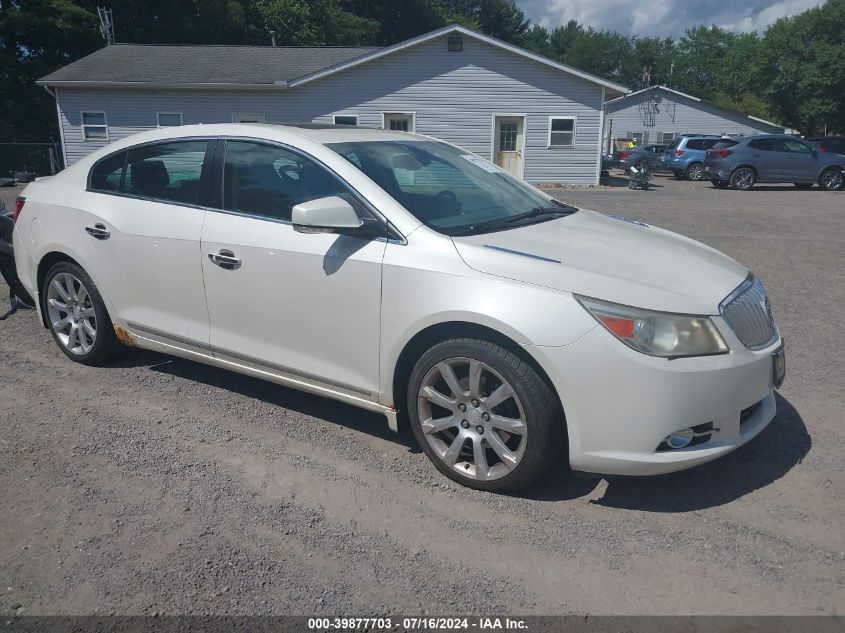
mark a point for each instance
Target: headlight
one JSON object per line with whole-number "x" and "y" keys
{"x": 661, "y": 334}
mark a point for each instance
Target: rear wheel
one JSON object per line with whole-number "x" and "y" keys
{"x": 803, "y": 185}
{"x": 743, "y": 179}
{"x": 77, "y": 316}
{"x": 483, "y": 416}
{"x": 694, "y": 171}
{"x": 831, "y": 179}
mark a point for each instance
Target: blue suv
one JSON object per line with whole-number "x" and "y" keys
{"x": 685, "y": 155}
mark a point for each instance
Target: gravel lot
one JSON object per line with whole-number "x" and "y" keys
{"x": 157, "y": 485}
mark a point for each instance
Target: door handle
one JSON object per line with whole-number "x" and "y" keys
{"x": 225, "y": 259}
{"x": 99, "y": 231}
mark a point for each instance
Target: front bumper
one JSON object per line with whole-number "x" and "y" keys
{"x": 621, "y": 404}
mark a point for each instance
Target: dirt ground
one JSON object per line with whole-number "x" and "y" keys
{"x": 157, "y": 485}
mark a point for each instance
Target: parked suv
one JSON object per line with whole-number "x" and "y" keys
{"x": 685, "y": 156}
{"x": 739, "y": 163}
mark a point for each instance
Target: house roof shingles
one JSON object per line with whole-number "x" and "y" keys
{"x": 181, "y": 64}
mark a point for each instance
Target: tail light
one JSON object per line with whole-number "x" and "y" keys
{"x": 822, "y": 148}
{"x": 623, "y": 155}
{"x": 722, "y": 153}
{"x": 19, "y": 202}
{"x": 679, "y": 152}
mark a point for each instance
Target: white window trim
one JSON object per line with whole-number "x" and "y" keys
{"x": 351, "y": 116}
{"x": 574, "y": 120}
{"x": 248, "y": 115}
{"x": 386, "y": 113}
{"x": 158, "y": 118}
{"x": 105, "y": 125}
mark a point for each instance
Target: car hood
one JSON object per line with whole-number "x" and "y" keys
{"x": 610, "y": 258}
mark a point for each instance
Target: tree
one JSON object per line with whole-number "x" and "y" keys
{"x": 803, "y": 70}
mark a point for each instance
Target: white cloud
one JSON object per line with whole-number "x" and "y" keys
{"x": 665, "y": 18}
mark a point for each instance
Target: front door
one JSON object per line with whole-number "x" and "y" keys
{"x": 800, "y": 161}
{"x": 305, "y": 305}
{"x": 509, "y": 143}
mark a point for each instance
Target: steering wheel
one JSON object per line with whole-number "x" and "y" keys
{"x": 448, "y": 197}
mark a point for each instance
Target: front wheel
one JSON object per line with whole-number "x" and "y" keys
{"x": 743, "y": 178}
{"x": 77, "y": 316}
{"x": 484, "y": 416}
{"x": 831, "y": 179}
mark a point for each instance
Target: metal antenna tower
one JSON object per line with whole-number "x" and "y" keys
{"x": 106, "y": 24}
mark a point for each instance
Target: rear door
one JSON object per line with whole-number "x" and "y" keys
{"x": 142, "y": 215}
{"x": 766, "y": 160}
{"x": 304, "y": 305}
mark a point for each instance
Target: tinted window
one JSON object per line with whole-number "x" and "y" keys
{"x": 724, "y": 144}
{"x": 708, "y": 143}
{"x": 836, "y": 145}
{"x": 106, "y": 175}
{"x": 269, "y": 181}
{"x": 169, "y": 171}
{"x": 674, "y": 143}
{"x": 764, "y": 144}
{"x": 796, "y": 147}
{"x": 695, "y": 143}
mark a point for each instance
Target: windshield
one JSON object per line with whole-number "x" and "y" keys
{"x": 450, "y": 190}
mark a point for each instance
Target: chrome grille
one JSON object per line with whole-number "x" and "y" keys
{"x": 748, "y": 312}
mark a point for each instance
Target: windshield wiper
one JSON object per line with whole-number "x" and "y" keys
{"x": 538, "y": 212}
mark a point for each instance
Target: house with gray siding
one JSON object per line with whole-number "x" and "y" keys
{"x": 538, "y": 119}
{"x": 659, "y": 114}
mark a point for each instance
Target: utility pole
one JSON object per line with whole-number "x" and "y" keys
{"x": 273, "y": 37}
{"x": 106, "y": 25}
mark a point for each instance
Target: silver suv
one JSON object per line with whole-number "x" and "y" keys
{"x": 739, "y": 163}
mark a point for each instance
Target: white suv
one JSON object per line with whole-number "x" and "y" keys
{"x": 409, "y": 277}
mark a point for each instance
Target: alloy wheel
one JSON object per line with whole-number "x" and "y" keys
{"x": 695, "y": 172}
{"x": 832, "y": 180}
{"x": 71, "y": 313}
{"x": 744, "y": 179}
{"x": 472, "y": 419}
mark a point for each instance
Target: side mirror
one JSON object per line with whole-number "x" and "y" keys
{"x": 325, "y": 215}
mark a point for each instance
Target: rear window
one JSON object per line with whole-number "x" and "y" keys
{"x": 674, "y": 143}
{"x": 724, "y": 144}
{"x": 167, "y": 171}
{"x": 107, "y": 174}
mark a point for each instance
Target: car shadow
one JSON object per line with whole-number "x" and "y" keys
{"x": 326, "y": 409}
{"x": 621, "y": 181}
{"x": 765, "y": 459}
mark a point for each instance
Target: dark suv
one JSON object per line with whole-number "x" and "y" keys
{"x": 739, "y": 163}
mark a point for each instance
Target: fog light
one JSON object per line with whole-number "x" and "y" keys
{"x": 680, "y": 439}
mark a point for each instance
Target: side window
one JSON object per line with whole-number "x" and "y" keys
{"x": 94, "y": 126}
{"x": 695, "y": 143}
{"x": 796, "y": 147}
{"x": 763, "y": 144}
{"x": 107, "y": 174}
{"x": 269, "y": 181}
{"x": 561, "y": 131}
{"x": 167, "y": 171}
{"x": 709, "y": 143}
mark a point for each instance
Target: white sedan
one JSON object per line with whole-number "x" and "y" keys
{"x": 410, "y": 277}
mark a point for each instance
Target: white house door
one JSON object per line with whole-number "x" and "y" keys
{"x": 509, "y": 143}
{"x": 399, "y": 121}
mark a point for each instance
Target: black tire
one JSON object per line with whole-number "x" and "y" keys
{"x": 106, "y": 344}
{"x": 720, "y": 184}
{"x": 803, "y": 185}
{"x": 743, "y": 179}
{"x": 832, "y": 179}
{"x": 694, "y": 171}
{"x": 678, "y": 174}
{"x": 545, "y": 437}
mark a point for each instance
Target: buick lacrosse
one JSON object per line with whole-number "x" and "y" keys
{"x": 413, "y": 278}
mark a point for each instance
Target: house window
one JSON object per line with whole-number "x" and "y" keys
{"x": 169, "y": 119}
{"x": 398, "y": 121}
{"x": 639, "y": 137}
{"x": 346, "y": 119}
{"x": 562, "y": 131}
{"x": 248, "y": 117}
{"x": 664, "y": 138}
{"x": 94, "y": 126}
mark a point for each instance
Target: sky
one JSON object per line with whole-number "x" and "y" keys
{"x": 665, "y": 18}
